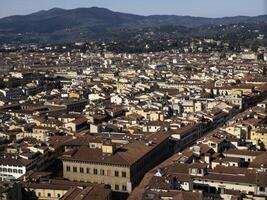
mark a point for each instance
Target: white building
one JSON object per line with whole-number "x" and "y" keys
{"x": 13, "y": 168}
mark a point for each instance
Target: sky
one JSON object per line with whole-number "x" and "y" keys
{"x": 203, "y": 8}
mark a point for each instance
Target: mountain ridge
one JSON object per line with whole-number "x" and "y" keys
{"x": 92, "y": 22}
{"x": 102, "y": 8}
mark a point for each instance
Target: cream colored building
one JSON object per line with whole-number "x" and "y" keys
{"x": 121, "y": 168}
{"x": 55, "y": 189}
{"x": 152, "y": 115}
{"x": 259, "y": 135}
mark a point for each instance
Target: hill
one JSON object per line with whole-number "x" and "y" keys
{"x": 57, "y": 25}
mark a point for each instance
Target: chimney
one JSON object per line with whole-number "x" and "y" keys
{"x": 207, "y": 159}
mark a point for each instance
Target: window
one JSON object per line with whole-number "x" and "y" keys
{"x": 0, "y": 169}
{"x": 39, "y": 194}
{"x": 4, "y": 170}
{"x": 15, "y": 171}
{"x": 124, "y": 188}
{"x": 74, "y": 169}
{"x": 116, "y": 173}
{"x": 123, "y": 174}
{"x": 20, "y": 171}
{"x": 95, "y": 171}
{"x": 117, "y": 187}
{"x": 102, "y": 172}
{"x": 88, "y": 170}
{"x": 81, "y": 170}
{"x": 49, "y": 194}
{"x": 68, "y": 168}
{"x": 262, "y": 189}
{"x": 58, "y": 195}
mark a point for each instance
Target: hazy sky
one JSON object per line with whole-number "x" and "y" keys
{"x": 206, "y": 8}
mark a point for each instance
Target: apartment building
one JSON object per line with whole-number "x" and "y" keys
{"x": 57, "y": 189}
{"x": 12, "y": 169}
{"x": 119, "y": 167}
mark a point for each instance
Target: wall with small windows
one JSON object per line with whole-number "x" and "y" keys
{"x": 117, "y": 177}
{"x": 9, "y": 172}
{"x": 48, "y": 194}
{"x": 244, "y": 188}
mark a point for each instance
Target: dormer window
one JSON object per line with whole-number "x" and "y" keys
{"x": 198, "y": 169}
